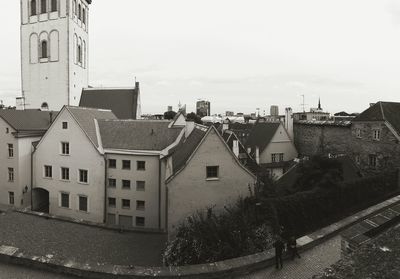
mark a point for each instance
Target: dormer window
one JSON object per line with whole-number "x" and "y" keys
{"x": 43, "y": 6}
{"x": 54, "y": 5}
{"x": 33, "y": 8}
{"x": 43, "y": 51}
{"x": 376, "y": 134}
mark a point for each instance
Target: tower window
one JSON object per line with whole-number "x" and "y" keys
{"x": 79, "y": 54}
{"x": 43, "y": 52}
{"x": 79, "y": 12}
{"x": 33, "y": 7}
{"x": 43, "y": 6}
{"x": 84, "y": 16}
{"x": 53, "y": 5}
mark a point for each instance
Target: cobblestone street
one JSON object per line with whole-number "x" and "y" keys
{"x": 20, "y": 272}
{"x": 312, "y": 262}
{"x": 79, "y": 243}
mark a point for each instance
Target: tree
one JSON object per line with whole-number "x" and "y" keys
{"x": 169, "y": 115}
{"x": 194, "y": 117}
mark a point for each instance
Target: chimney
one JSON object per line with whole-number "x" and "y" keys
{"x": 371, "y": 104}
{"x": 51, "y": 117}
{"x": 257, "y": 155}
{"x": 289, "y": 122}
{"x": 189, "y": 127}
{"x": 235, "y": 148}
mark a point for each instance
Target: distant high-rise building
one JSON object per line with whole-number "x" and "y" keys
{"x": 274, "y": 111}
{"x": 169, "y": 108}
{"x": 203, "y": 108}
{"x": 229, "y": 113}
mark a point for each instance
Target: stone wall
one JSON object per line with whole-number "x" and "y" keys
{"x": 322, "y": 138}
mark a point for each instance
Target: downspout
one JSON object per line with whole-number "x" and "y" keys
{"x": 32, "y": 177}
{"x": 159, "y": 193}
{"x": 105, "y": 189}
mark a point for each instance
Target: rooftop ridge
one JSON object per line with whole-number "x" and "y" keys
{"x": 108, "y": 88}
{"x": 87, "y": 108}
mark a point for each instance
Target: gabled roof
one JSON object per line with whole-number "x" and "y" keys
{"x": 262, "y": 134}
{"x": 28, "y": 120}
{"x": 86, "y": 120}
{"x": 137, "y": 134}
{"x": 123, "y": 102}
{"x": 382, "y": 111}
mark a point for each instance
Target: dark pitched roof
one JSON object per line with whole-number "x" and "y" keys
{"x": 86, "y": 117}
{"x": 137, "y": 134}
{"x": 382, "y": 111}
{"x": 182, "y": 152}
{"x": 262, "y": 134}
{"x": 123, "y": 103}
{"x": 28, "y": 120}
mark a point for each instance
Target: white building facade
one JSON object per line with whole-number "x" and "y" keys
{"x": 54, "y": 52}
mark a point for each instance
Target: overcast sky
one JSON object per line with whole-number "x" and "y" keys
{"x": 239, "y": 55}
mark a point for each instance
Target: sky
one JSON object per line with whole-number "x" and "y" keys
{"x": 239, "y": 55}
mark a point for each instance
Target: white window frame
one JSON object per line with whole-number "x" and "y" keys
{"x": 87, "y": 203}
{"x": 44, "y": 172}
{"x": 10, "y": 147}
{"x": 376, "y": 134}
{"x": 61, "y": 174}
{"x": 11, "y": 197}
{"x": 60, "y": 200}
{"x": 79, "y": 176}
{"x": 65, "y": 143}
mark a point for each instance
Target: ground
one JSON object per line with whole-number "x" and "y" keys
{"x": 312, "y": 262}
{"x": 38, "y": 236}
{"x": 19, "y": 272}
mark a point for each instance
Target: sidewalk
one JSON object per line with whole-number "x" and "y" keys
{"x": 312, "y": 262}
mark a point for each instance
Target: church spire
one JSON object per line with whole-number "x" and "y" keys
{"x": 319, "y": 103}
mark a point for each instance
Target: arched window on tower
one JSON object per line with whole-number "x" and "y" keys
{"x": 33, "y": 8}
{"x": 43, "y": 6}
{"x": 54, "y": 5}
{"x": 43, "y": 49}
{"x": 79, "y": 54}
{"x": 84, "y": 16}
{"x": 74, "y": 7}
{"x": 79, "y": 12}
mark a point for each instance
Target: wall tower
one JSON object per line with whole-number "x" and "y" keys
{"x": 54, "y": 52}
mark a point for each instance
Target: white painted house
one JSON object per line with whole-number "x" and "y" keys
{"x": 54, "y": 52}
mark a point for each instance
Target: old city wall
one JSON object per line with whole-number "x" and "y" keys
{"x": 311, "y": 139}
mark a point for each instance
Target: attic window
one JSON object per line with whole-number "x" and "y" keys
{"x": 376, "y": 134}
{"x": 212, "y": 172}
{"x": 65, "y": 125}
{"x": 7, "y": 130}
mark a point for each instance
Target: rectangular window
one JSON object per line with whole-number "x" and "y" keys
{"x": 140, "y": 205}
{"x": 140, "y": 221}
{"x": 141, "y": 165}
{"x": 10, "y": 174}
{"x": 48, "y": 171}
{"x": 83, "y": 176}
{"x": 65, "y": 148}
{"x": 126, "y": 184}
{"x": 43, "y": 6}
{"x": 11, "y": 198}
{"x": 376, "y": 134}
{"x": 33, "y": 7}
{"x": 65, "y": 173}
{"x": 112, "y": 182}
{"x": 281, "y": 157}
{"x": 212, "y": 171}
{"x": 126, "y": 203}
{"x": 83, "y": 203}
{"x": 54, "y": 5}
{"x": 10, "y": 150}
{"x": 7, "y": 130}
{"x": 273, "y": 157}
{"x": 372, "y": 161}
{"x": 140, "y": 185}
{"x": 65, "y": 125}
{"x": 112, "y": 202}
{"x": 358, "y": 133}
{"x": 126, "y": 164}
{"x": 65, "y": 200}
{"x": 112, "y": 163}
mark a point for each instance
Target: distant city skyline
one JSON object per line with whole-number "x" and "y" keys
{"x": 238, "y": 55}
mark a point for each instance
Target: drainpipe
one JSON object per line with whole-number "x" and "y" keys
{"x": 105, "y": 189}
{"x": 33, "y": 150}
{"x": 159, "y": 193}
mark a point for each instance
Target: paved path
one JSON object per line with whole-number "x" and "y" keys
{"x": 311, "y": 263}
{"x": 18, "y": 272}
{"x": 37, "y": 236}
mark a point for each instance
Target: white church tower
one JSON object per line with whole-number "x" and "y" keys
{"x": 54, "y": 52}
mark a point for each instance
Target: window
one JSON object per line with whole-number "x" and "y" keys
{"x": 140, "y": 185}
{"x": 10, "y": 150}
{"x": 7, "y": 130}
{"x": 126, "y": 164}
{"x": 11, "y": 198}
{"x": 79, "y": 11}
{"x": 65, "y": 125}
{"x": 43, "y": 47}
{"x": 140, "y": 205}
{"x": 358, "y": 133}
{"x": 48, "y": 171}
{"x": 126, "y": 184}
{"x": 33, "y": 7}
{"x": 11, "y": 174}
{"x": 357, "y": 159}
{"x": 277, "y": 157}
{"x": 54, "y": 5}
{"x": 280, "y": 157}
{"x": 65, "y": 148}
{"x": 112, "y": 202}
{"x": 273, "y": 158}
{"x": 79, "y": 54}
{"x": 83, "y": 203}
{"x": 84, "y": 16}
{"x": 65, "y": 173}
{"x": 112, "y": 182}
{"x": 376, "y": 134}
{"x": 212, "y": 171}
{"x": 372, "y": 160}
{"x": 126, "y": 204}
{"x": 141, "y": 165}
{"x": 140, "y": 221}
{"x": 112, "y": 163}
{"x": 43, "y": 6}
{"x": 83, "y": 176}
{"x": 74, "y": 7}
{"x": 65, "y": 200}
